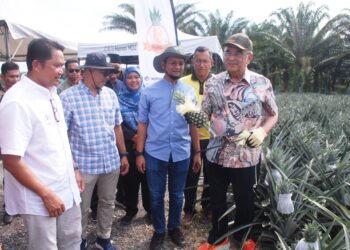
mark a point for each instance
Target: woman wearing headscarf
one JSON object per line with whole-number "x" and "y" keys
{"x": 129, "y": 96}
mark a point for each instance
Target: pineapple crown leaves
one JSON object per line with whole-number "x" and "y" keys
{"x": 311, "y": 232}
{"x": 285, "y": 186}
{"x": 155, "y": 16}
{"x": 185, "y": 103}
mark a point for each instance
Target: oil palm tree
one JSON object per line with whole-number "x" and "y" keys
{"x": 306, "y": 41}
{"x": 223, "y": 27}
{"x": 125, "y": 22}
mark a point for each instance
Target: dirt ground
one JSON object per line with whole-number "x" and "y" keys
{"x": 131, "y": 237}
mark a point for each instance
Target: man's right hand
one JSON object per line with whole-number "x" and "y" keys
{"x": 53, "y": 204}
{"x": 141, "y": 164}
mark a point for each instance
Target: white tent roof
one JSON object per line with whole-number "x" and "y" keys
{"x": 188, "y": 42}
{"x": 16, "y": 37}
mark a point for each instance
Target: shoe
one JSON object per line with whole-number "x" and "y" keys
{"x": 83, "y": 244}
{"x": 104, "y": 244}
{"x": 177, "y": 237}
{"x": 225, "y": 245}
{"x": 7, "y": 219}
{"x": 187, "y": 219}
{"x": 126, "y": 220}
{"x": 156, "y": 241}
{"x": 249, "y": 245}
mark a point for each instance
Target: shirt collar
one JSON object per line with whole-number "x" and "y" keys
{"x": 245, "y": 78}
{"x": 195, "y": 78}
{"x": 52, "y": 90}
{"x": 85, "y": 88}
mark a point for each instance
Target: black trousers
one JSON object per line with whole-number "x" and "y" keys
{"x": 192, "y": 183}
{"x": 131, "y": 184}
{"x": 242, "y": 180}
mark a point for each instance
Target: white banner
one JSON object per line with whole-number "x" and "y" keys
{"x": 155, "y": 32}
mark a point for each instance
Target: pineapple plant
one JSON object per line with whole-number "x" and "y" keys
{"x": 310, "y": 240}
{"x": 157, "y": 35}
{"x": 285, "y": 204}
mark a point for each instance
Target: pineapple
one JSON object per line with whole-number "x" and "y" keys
{"x": 310, "y": 240}
{"x": 191, "y": 112}
{"x": 310, "y": 233}
{"x": 284, "y": 203}
{"x": 285, "y": 187}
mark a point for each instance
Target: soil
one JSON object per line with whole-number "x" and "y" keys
{"x": 137, "y": 235}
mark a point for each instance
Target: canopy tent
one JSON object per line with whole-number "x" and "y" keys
{"x": 16, "y": 37}
{"x": 129, "y": 52}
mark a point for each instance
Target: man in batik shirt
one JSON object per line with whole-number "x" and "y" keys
{"x": 242, "y": 108}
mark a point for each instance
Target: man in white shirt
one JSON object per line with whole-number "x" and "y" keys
{"x": 41, "y": 183}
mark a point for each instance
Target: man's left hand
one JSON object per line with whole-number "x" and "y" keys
{"x": 124, "y": 168}
{"x": 256, "y": 137}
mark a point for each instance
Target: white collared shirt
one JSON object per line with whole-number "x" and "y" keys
{"x": 29, "y": 128}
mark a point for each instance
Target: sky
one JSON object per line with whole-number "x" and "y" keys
{"x": 82, "y": 20}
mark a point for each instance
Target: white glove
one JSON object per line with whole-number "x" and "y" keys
{"x": 256, "y": 137}
{"x": 242, "y": 138}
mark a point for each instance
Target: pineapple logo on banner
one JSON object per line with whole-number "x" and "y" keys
{"x": 157, "y": 38}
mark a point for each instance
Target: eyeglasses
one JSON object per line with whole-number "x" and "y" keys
{"x": 55, "y": 110}
{"x": 234, "y": 54}
{"x": 204, "y": 62}
{"x": 74, "y": 70}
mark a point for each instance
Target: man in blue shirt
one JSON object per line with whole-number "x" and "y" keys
{"x": 165, "y": 137}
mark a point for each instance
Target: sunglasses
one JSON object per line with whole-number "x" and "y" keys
{"x": 74, "y": 70}
{"x": 115, "y": 71}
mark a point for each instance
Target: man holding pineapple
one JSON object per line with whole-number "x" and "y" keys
{"x": 163, "y": 144}
{"x": 242, "y": 109}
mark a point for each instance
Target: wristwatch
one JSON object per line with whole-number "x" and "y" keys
{"x": 124, "y": 154}
{"x": 138, "y": 153}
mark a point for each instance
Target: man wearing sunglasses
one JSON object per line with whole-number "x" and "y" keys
{"x": 113, "y": 81}
{"x": 72, "y": 72}
{"x": 94, "y": 120}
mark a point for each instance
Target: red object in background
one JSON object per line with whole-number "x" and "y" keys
{"x": 249, "y": 245}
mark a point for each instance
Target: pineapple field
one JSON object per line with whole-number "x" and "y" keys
{"x": 303, "y": 193}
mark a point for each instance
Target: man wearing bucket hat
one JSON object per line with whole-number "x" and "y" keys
{"x": 94, "y": 120}
{"x": 163, "y": 144}
{"x": 241, "y": 106}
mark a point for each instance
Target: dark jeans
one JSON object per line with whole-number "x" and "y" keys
{"x": 192, "y": 183}
{"x": 131, "y": 183}
{"x": 158, "y": 173}
{"x": 242, "y": 180}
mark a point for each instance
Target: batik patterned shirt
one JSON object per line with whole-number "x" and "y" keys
{"x": 233, "y": 108}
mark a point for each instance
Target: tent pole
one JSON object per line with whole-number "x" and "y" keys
{"x": 6, "y": 36}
